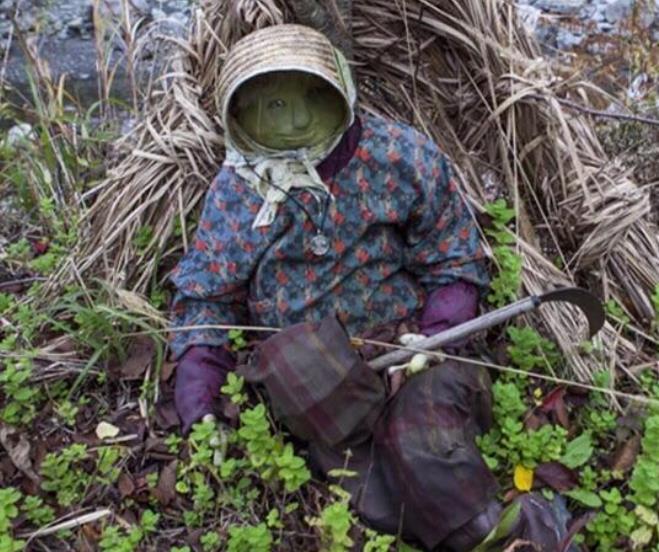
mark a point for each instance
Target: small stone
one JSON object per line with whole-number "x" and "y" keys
{"x": 563, "y": 7}
{"x": 18, "y": 133}
{"x": 158, "y": 14}
{"x": 618, "y": 10}
{"x": 76, "y": 23}
{"x": 566, "y": 40}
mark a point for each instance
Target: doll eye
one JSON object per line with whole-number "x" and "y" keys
{"x": 277, "y": 104}
{"x": 316, "y": 91}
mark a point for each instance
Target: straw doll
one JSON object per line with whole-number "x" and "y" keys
{"x": 325, "y": 219}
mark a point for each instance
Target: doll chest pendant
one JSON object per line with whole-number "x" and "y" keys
{"x": 320, "y": 244}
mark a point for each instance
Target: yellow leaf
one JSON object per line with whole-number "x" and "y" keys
{"x": 523, "y": 478}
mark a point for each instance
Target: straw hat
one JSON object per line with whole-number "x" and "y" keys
{"x": 283, "y": 48}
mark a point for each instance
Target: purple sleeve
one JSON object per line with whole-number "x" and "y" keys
{"x": 449, "y": 306}
{"x": 200, "y": 373}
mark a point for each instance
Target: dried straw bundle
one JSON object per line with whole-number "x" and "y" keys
{"x": 466, "y": 73}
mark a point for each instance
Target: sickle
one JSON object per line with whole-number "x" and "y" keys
{"x": 586, "y": 301}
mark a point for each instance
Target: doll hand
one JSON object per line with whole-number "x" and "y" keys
{"x": 449, "y": 306}
{"x": 418, "y": 363}
{"x": 200, "y": 373}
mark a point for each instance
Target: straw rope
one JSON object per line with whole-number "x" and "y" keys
{"x": 465, "y": 72}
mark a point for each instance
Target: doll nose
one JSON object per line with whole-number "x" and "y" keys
{"x": 301, "y": 115}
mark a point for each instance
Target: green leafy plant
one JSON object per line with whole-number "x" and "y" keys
{"x": 249, "y": 538}
{"x": 9, "y": 498}
{"x": 505, "y": 285}
{"x": 529, "y": 350}
{"x": 36, "y": 511}
{"x": 118, "y": 539}
{"x": 237, "y": 339}
{"x": 334, "y": 523}
{"x": 21, "y": 396}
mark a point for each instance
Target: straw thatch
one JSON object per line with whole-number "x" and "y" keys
{"x": 464, "y": 71}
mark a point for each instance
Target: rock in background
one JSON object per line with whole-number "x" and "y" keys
{"x": 62, "y": 32}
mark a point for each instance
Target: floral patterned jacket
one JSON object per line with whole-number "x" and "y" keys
{"x": 398, "y": 227}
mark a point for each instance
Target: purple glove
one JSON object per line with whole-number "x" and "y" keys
{"x": 200, "y": 373}
{"x": 449, "y": 306}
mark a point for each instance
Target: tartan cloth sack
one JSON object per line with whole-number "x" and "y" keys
{"x": 418, "y": 470}
{"x": 318, "y": 385}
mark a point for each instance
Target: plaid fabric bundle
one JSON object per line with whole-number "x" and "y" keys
{"x": 319, "y": 386}
{"x": 418, "y": 468}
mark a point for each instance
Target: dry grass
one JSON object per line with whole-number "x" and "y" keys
{"x": 464, "y": 71}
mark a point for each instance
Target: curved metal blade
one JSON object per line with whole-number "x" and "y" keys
{"x": 590, "y": 305}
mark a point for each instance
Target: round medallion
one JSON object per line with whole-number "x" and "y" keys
{"x": 320, "y": 245}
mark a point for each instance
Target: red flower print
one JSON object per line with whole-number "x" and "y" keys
{"x": 311, "y": 275}
{"x": 444, "y": 246}
{"x": 464, "y": 233}
{"x": 232, "y": 267}
{"x": 401, "y": 311}
{"x": 205, "y": 225}
{"x": 200, "y": 245}
{"x": 214, "y": 267}
{"x": 393, "y": 156}
{"x": 392, "y": 215}
{"x": 362, "y": 154}
{"x": 339, "y": 246}
{"x": 364, "y": 186}
{"x": 282, "y": 278}
{"x": 367, "y": 215}
{"x": 362, "y": 255}
{"x": 338, "y": 218}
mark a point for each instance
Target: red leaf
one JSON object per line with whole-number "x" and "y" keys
{"x": 557, "y": 476}
{"x": 40, "y": 247}
{"x": 165, "y": 491}
{"x": 554, "y": 403}
{"x": 625, "y": 457}
{"x": 125, "y": 485}
{"x": 140, "y": 354}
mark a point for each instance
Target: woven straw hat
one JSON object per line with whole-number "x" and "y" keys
{"x": 284, "y": 48}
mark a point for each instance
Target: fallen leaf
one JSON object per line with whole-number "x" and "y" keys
{"x": 554, "y": 403}
{"x": 625, "y": 457}
{"x": 166, "y": 416}
{"x": 105, "y": 430}
{"x": 165, "y": 491}
{"x": 140, "y": 355}
{"x": 18, "y": 450}
{"x": 125, "y": 485}
{"x": 167, "y": 370}
{"x": 534, "y": 421}
{"x": 557, "y": 476}
{"x": 523, "y": 478}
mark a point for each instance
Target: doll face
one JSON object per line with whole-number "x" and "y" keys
{"x": 288, "y": 110}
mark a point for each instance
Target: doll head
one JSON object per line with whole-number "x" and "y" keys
{"x": 283, "y": 89}
{"x": 286, "y": 110}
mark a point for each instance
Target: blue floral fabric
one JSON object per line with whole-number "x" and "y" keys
{"x": 398, "y": 229}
